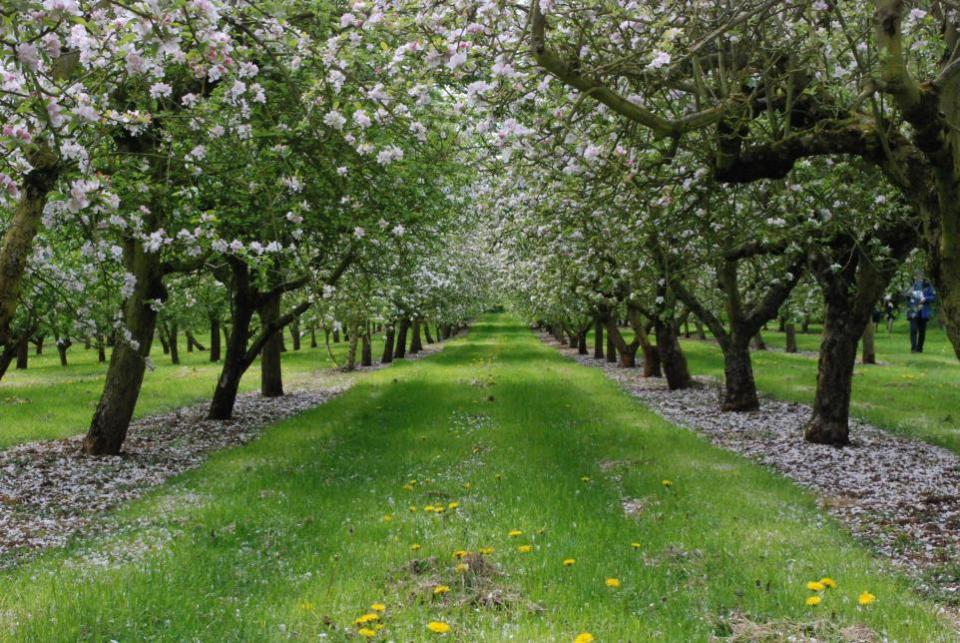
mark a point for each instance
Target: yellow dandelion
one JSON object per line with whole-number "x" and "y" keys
{"x": 462, "y": 568}
{"x": 408, "y": 487}
{"x": 513, "y": 533}
{"x": 415, "y": 547}
{"x": 387, "y": 518}
{"x": 613, "y": 582}
{"x": 585, "y": 478}
{"x": 826, "y": 581}
{"x": 525, "y": 549}
{"x": 865, "y": 598}
{"x": 453, "y": 505}
{"x": 460, "y": 553}
{"x": 438, "y": 627}
{"x": 440, "y": 589}
{"x": 584, "y": 637}
{"x": 367, "y": 618}
{"x": 413, "y": 509}
{"x": 378, "y": 607}
{"x": 412, "y": 482}
{"x": 439, "y": 510}
{"x": 486, "y": 551}
{"x": 816, "y": 586}
{"x": 569, "y": 562}
{"x": 812, "y": 601}
{"x": 667, "y": 483}
{"x": 307, "y": 606}
{"x": 366, "y": 632}
{"x": 428, "y": 508}
{"x": 636, "y": 545}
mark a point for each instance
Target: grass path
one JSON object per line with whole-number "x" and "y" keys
{"x": 300, "y": 533}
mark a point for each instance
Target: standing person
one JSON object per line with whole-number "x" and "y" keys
{"x": 919, "y": 300}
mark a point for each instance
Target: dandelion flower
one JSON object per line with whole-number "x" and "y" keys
{"x": 585, "y": 478}
{"x": 667, "y": 483}
{"x": 569, "y": 562}
{"x": 428, "y": 508}
{"x": 525, "y": 549}
{"x": 462, "y": 568}
{"x": 826, "y": 581}
{"x": 514, "y": 533}
{"x": 413, "y": 509}
{"x": 415, "y": 547}
{"x": 486, "y": 551}
{"x": 440, "y": 589}
{"x": 613, "y": 582}
{"x": 408, "y": 487}
{"x": 366, "y": 632}
{"x": 367, "y": 618}
{"x": 387, "y": 518}
{"x": 460, "y": 553}
{"x": 812, "y": 601}
{"x": 378, "y": 607}
{"x": 635, "y": 545}
{"x": 584, "y": 637}
{"x": 816, "y": 586}
{"x": 865, "y": 598}
{"x": 438, "y": 627}
{"x": 453, "y": 505}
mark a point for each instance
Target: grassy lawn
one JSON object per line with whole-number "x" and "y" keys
{"x": 299, "y": 533}
{"x": 913, "y": 394}
{"x": 48, "y": 401}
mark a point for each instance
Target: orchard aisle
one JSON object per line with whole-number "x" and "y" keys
{"x": 493, "y": 491}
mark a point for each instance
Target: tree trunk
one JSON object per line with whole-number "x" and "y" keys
{"x": 388, "y": 339}
{"x": 869, "y": 354}
{"x": 831, "y": 407}
{"x": 758, "y": 343}
{"x": 582, "y": 343}
{"x": 62, "y": 346}
{"x": 366, "y": 354}
{"x": 400, "y": 351}
{"x": 336, "y": 335}
{"x": 17, "y": 243}
{"x": 626, "y": 353}
{"x": 295, "y": 334}
{"x": 597, "y": 338}
{"x": 108, "y": 429}
{"x": 235, "y": 359}
{"x": 701, "y": 333}
{"x": 164, "y": 344}
{"x": 672, "y": 361}
{"x": 174, "y": 344}
{"x": 23, "y": 353}
{"x": 651, "y": 361}
{"x": 573, "y": 339}
{"x": 7, "y": 353}
{"x": 214, "y": 339}
{"x": 352, "y": 352}
{"x": 313, "y": 336}
{"x": 416, "y": 344}
{"x": 101, "y": 350}
{"x": 791, "y": 331}
{"x": 192, "y": 342}
{"x": 38, "y": 343}
{"x": 271, "y": 373}
{"x": 611, "y": 349}
{"x": 426, "y": 333}
{"x": 740, "y": 389}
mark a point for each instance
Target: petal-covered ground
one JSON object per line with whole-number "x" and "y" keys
{"x": 478, "y": 495}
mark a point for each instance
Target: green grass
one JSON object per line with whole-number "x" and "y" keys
{"x": 912, "y": 394}
{"x": 48, "y": 401}
{"x": 286, "y": 537}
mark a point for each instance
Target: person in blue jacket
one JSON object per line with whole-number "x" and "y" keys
{"x": 920, "y": 298}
